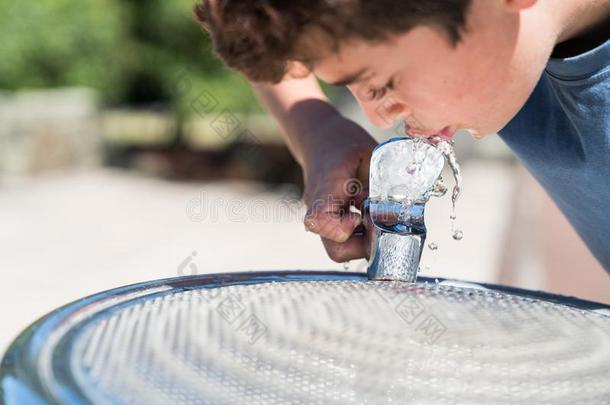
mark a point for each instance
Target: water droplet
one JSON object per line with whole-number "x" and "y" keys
{"x": 458, "y": 235}
{"x": 436, "y": 280}
{"x": 447, "y": 149}
{"x": 432, "y": 246}
{"x": 346, "y": 265}
{"x": 439, "y": 189}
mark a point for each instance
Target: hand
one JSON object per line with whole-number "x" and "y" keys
{"x": 336, "y": 173}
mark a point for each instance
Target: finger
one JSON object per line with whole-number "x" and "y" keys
{"x": 353, "y": 248}
{"x": 332, "y": 225}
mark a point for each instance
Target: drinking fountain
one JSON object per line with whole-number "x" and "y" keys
{"x": 402, "y": 176}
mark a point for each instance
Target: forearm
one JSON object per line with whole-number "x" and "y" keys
{"x": 300, "y": 108}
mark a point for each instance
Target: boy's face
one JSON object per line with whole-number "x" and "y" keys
{"x": 436, "y": 88}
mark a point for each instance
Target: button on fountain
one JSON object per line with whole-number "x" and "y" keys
{"x": 403, "y": 174}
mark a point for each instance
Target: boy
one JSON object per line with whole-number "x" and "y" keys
{"x": 536, "y": 71}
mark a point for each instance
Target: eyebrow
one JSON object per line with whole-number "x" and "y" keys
{"x": 349, "y": 79}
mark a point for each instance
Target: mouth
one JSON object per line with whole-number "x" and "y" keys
{"x": 445, "y": 133}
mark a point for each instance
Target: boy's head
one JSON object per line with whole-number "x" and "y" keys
{"x": 437, "y": 65}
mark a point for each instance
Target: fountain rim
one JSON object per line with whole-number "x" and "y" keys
{"x": 21, "y": 379}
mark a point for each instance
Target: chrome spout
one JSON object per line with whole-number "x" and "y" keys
{"x": 402, "y": 175}
{"x": 398, "y": 236}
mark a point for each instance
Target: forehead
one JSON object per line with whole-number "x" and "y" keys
{"x": 393, "y": 53}
{"x": 352, "y": 60}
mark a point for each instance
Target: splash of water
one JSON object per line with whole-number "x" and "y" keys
{"x": 446, "y": 147}
{"x": 439, "y": 189}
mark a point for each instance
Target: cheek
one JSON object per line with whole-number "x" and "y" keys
{"x": 434, "y": 97}
{"x": 474, "y": 97}
{"x": 491, "y": 103}
{"x": 466, "y": 89}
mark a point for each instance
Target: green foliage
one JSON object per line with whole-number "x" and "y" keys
{"x": 170, "y": 44}
{"x": 130, "y": 50}
{"x": 50, "y": 43}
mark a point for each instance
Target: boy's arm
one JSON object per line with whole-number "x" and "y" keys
{"x": 297, "y": 123}
{"x": 334, "y": 153}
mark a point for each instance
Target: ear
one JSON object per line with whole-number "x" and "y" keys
{"x": 518, "y": 5}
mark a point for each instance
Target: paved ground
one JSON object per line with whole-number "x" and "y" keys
{"x": 67, "y": 236}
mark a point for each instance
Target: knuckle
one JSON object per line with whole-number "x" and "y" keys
{"x": 310, "y": 224}
{"x": 312, "y": 214}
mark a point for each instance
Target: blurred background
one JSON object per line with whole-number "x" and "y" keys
{"x": 128, "y": 153}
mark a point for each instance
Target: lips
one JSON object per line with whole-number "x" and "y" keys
{"x": 446, "y": 133}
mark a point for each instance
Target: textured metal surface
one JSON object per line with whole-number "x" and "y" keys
{"x": 316, "y": 339}
{"x": 395, "y": 256}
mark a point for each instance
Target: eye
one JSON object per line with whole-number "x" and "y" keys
{"x": 379, "y": 92}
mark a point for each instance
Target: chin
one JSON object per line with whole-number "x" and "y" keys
{"x": 475, "y": 133}
{"x": 484, "y": 135}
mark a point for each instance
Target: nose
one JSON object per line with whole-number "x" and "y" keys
{"x": 383, "y": 113}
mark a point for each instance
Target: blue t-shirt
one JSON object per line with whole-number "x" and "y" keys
{"x": 562, "y": 136}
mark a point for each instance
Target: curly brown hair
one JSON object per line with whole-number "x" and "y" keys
{"x": 263, "y": 38}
